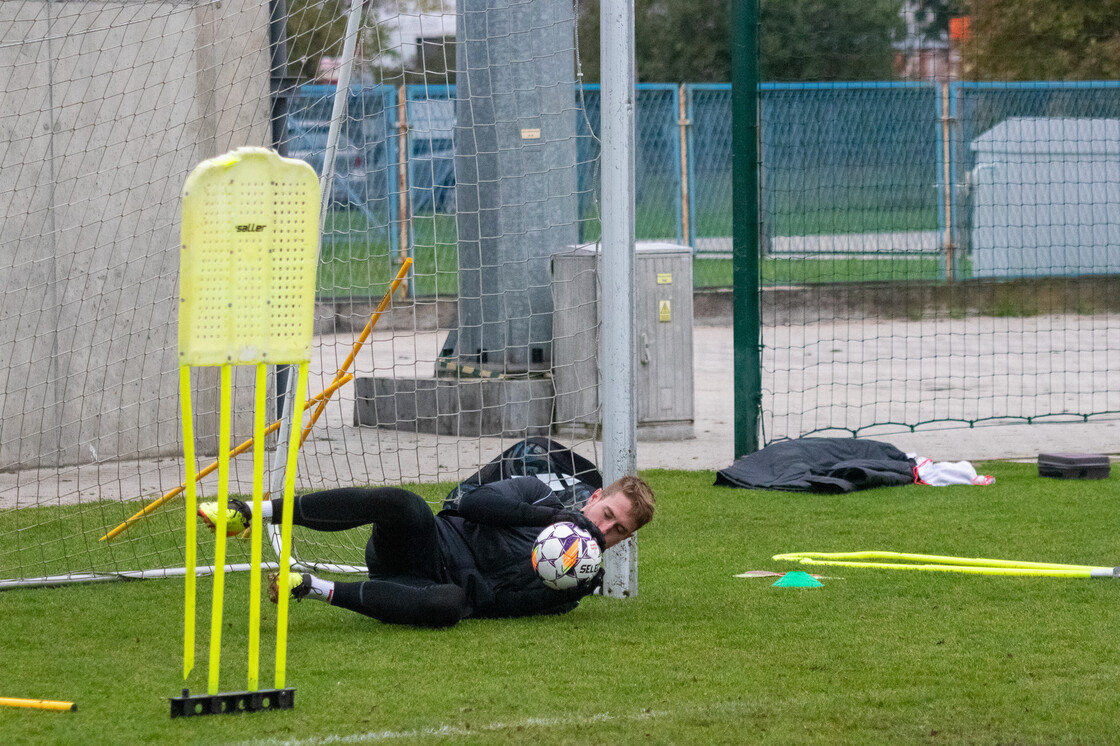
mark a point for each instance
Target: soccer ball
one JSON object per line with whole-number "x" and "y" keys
{"x": 564, "y": 554}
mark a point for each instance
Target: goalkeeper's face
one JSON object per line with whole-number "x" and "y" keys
{"x": 612, "y": 514}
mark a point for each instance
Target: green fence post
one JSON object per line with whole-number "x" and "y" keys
{"x": 744, "y": 163}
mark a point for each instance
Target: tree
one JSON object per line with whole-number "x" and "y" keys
{"x": 316, "y": 29}
{"x": 829, "y": 40}
{"x": 1042, "y": 40}
{"x": 675, "y": 41}
{"x": 804, "y": 40}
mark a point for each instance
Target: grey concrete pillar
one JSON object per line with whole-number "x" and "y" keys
{"x": 515, "y": 171}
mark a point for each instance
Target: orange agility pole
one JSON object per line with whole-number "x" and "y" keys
{"x": 327, "y": 393}
{"x": 373, "y": 319}
{"x": 38, "y": 704}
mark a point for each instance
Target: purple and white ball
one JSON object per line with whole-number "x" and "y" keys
{"x": 564, "y": 555}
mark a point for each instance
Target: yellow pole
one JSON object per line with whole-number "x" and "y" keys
{"x": 151, "y": 507}
{"x": 255, "y": 532}
{"x": 940, "y": 563}
{"x": 220, "y": 528}
{"x": 192, "y": 548}
{"x": 286, "y": 535}
{"x": 38, "y": 704}
{"x": 373, "y": 319}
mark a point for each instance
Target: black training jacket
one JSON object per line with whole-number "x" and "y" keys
{"x": 487, "y": 544}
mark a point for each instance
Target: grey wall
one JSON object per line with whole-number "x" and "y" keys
{"x": 104, "y": 109}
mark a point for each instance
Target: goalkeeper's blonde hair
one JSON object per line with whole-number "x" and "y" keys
{"x": 638, "y": 493}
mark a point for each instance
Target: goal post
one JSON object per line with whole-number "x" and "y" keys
{"x": 619, "y": 350}
{"x": 112, "y": 105}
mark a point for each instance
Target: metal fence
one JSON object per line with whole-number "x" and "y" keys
{"x": 866, "y": 169}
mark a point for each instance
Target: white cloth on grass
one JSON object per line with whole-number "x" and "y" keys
{"x": 943, "y": 473}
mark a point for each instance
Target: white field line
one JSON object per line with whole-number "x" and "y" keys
{"x": 445, "y": 731}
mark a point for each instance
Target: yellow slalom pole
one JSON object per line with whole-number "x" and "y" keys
{"x": 255, "y": 531}
{"x": 152, "y": 506}
{"x": 38, "y": 704}
{"x": 226, "y": 404}
{"x": 286, "y": 533}
{"x": 192, "y": 547}
{"x": 373, "y": 319}
{"x": 933, "y": 558}
{"x": 939, "y": 563}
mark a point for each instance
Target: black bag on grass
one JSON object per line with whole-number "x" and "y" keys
{"x": 571, "y": 477}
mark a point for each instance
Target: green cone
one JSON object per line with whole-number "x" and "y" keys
{"x": 798, "y": 579}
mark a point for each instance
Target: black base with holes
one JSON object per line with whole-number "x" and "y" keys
{"x": 231, "y": 703}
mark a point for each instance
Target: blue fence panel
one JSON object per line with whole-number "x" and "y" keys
{"x": 589, "y": 99}
{"x": 849, "y": 158}
{"x": 360, "y": 227}
{"x": 837, "y": 158}
{"x": 365, "y": 158}
{"x": 657, "y": 172}
{"x": 431, "y": 147}
{"x": 709, "y": 167}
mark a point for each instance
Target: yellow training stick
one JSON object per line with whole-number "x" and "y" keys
{"x": 286, "y": 536}
{"x": 939, "y": 563}
{"x": 373, "y": 319}
{"x": 226, "y": 405}
{"x": 38, "y": 704}
{"x": 189, "y": 594}
{"x": 170, "y": 495}
{"x": 255, "y": 530}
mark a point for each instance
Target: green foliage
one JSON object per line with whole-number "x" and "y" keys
{"x": 825, "y": 40}
{"x": 435, "y": 62}
{"x": 316, "y": 29}
{"x": 1042, "y": 40}
{"x": 800, "y": 40}
{"x": 674, "y": 41}
{"x": 699, "y": 656}
{"x": 683, "y": 41}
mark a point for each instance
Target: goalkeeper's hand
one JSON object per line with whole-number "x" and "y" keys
{"x": 578, "y": 518}
{"x": 593, "y": 582}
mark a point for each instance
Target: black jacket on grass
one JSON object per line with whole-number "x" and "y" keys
{"x": 828, "y": 465}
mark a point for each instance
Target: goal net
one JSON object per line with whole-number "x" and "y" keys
{"x": 459, "y": 138}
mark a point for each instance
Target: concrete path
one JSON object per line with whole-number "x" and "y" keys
{"x": 339, "y": 453}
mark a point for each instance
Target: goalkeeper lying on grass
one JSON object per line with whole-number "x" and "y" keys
{"x": 433, "y": 570}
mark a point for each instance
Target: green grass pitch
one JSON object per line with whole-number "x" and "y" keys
{"x": 699, "y": 656}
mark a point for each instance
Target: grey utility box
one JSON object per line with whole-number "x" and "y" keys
{"x": 1046, "y": 198}
{"x": 664, "y": 341}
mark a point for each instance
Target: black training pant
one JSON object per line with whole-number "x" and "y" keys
{"x": 402, "y": 554}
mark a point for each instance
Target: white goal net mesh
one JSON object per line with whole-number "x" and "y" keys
{"x": 464, "y": 144}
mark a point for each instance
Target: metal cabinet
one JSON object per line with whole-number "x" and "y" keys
{"x": 663, "y": 340}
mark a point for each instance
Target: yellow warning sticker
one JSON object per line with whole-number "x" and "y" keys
{"x": 531, "y": 133}
{"x": 664, "y": 278}
{"x": 664, "y": 312}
